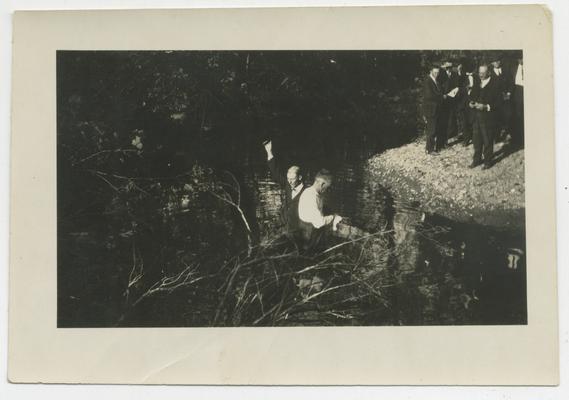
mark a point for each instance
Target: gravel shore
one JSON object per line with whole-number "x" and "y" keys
{"x": 443, "y": 184}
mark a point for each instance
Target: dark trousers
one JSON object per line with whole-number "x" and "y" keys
{"x": 505, "y": 117}
{"x": 464, "y": 122}
{"x": 450, "y": 123}
{"x": 442, "y": 127}
{"x": 309, "y": 238}
{"x": 431, "y": 132}
{"x": 483, "y": 134}
{"x": 518, "y": 116}
{"x": 435, "y": 131}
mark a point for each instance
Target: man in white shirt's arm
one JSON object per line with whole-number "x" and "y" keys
{"x": 310, "y": 210}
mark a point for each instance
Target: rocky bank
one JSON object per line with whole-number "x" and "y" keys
{"x": 443, "y": 184}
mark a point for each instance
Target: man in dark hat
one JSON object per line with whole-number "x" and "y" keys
{"x": 449, "y": 82}
{"x": 504, "y": 79}
{"x": 484, "y": 102}
{"x": 467, "y": 78}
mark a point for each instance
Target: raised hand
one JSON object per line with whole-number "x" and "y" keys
{"x": 268, "y": 146}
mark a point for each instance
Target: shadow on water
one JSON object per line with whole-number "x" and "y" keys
{"x": 458, "y": 273}
{"x": 404, "y": 268}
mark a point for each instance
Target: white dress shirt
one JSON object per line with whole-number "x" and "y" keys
{"x": 483, "y": 83}
{"x": 498, "y": 71}
{"x": 296, "y": 190}
{"x": 310, "y": 209}
{"x": 520, "y": 75}
{"x": 470, "y": 80}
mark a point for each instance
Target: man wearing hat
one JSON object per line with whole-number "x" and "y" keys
{"x": 433, "y": 97}
{"x": 449, "y": 119}
{"x": 467, "y": 78}
{"x": 504, "y": 79}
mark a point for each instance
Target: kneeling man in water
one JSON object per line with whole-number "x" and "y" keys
{"x": 312, "y": 221}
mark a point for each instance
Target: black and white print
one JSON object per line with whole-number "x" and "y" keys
{"x": 290, "y": 188}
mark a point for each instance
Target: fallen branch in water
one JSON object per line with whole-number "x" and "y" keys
{"x": 167, "y": 284}
{"x": 171, "y": 283}
{"x": 356, "y": 240}
{"x": 283, "y": 314}
{"x": 104, "y": 152}
{"x": 136, "y": 273}
{"x": 225, "y": 196}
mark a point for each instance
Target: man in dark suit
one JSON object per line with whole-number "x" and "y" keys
{"x": 467, "y": 78}
{"x": 433, "y": 97}
{"x": 293, "y": 186}
{"x": 505, "y": 79}
{"x": 485, "y": 100}
{"x": 449, "y": 81}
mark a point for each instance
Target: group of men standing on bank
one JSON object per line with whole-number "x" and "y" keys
{"x": 479, "y": 105}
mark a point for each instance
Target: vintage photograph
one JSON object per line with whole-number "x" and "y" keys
{"x": 290, "y": 188}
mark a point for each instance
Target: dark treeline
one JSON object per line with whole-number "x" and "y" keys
{"x": 205, "y": 103}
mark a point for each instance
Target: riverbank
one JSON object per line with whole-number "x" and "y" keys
{"x": 443, "y": 184}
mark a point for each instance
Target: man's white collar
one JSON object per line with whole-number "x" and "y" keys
{"x": 297, "y": 190}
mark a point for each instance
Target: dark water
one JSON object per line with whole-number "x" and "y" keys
{"x": 425, "y": 269}
{"x": 443, "y": 272}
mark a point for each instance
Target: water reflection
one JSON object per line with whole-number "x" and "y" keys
{"x": 437, "y": 271}
{"x": 407, "y": 267}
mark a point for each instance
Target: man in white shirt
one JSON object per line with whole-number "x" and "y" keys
{"x": 312, "y": 221}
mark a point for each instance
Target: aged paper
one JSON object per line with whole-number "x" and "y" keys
{"x": 428, "y": 355}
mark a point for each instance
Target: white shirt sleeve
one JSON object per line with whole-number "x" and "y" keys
{"x": 310, "y": 209}
{"x": 519, "y": 76}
